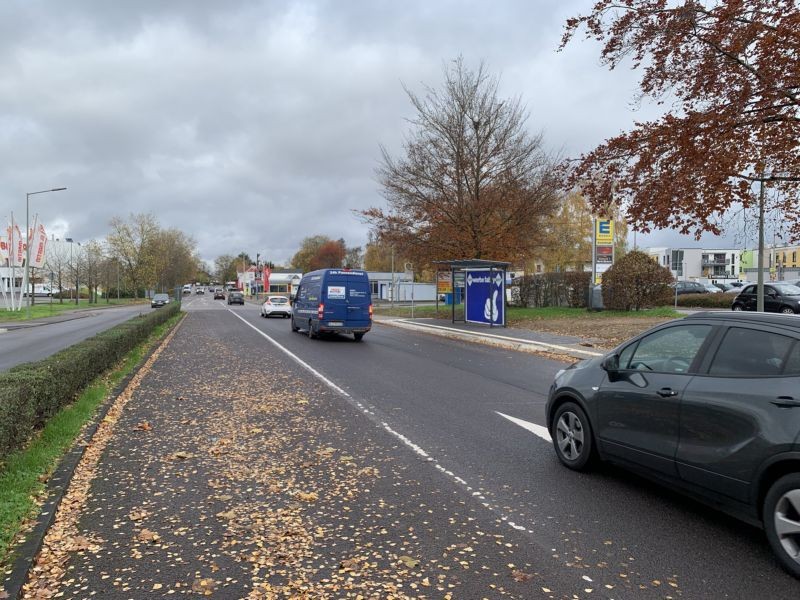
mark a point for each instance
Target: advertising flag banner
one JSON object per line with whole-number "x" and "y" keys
{"x": 16, "y": 252}
{"x": 38, "y": 247}
{"x": 485, "y": 294}
{"x": 4, "y": 248}
{"x": 265, "y": 279}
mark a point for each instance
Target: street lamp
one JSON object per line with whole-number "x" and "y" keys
{"x": 28, "y": 244}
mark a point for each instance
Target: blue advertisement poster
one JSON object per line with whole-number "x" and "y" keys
{"x": 485, "y": 292}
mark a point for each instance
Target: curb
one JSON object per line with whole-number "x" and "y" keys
{"x": 58, "y": 483}
{"x": 497, "y": 341}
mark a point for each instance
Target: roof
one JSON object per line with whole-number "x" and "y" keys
{"x": 749, "y": 317}
{"x": 473, "y": 263}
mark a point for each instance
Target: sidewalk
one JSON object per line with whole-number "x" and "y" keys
{"x": 521, "y": 340}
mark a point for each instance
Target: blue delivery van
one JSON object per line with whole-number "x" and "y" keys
{"x": 333, "y": 301}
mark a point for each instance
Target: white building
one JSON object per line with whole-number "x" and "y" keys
{"x": 696, "y": 264}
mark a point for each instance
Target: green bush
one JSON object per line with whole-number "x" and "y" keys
{"x": 33, "y": 392}
{"x": 635, "y": 282}
{"x": 551, "y": 289}
{"x": 707, "y": 300}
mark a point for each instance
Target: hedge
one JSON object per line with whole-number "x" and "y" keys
{"x": 552, "y": 289}
{"x": 31, "y": 393}
{"x": 723, "y": 300}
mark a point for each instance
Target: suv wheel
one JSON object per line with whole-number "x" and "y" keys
{"x": 572, "y": 436}
{"x": 782, "y": 521}
{"x": 737, "y": 307}
{"x": 295, "y": 328}
{"x": 787, "y": 310}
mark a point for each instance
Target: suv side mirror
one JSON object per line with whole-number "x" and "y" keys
{"x": 610, "y": 363}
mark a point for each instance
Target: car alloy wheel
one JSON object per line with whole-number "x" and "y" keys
{"x": 782, "y": 521}
{"x": 737, "y": 307}
{"x": 787, "y": 310}
{"x": 572, "y": 436}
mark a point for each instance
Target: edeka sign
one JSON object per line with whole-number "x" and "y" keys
{"x": 485, "y": 291}
{"x": 604, "y": 232}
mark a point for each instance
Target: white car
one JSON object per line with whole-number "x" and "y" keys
{"x": 276, "y": 305}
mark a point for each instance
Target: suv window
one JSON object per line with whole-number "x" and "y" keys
{"x": 751, "y": 353}
{"x": 670, "y": 350}
{"x": 750, "y": 289}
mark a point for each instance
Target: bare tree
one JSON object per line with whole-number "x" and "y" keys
{"x": 473, "y": 183}
{"x": 57, "y": 262}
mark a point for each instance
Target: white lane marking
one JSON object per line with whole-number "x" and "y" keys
{"x": 293, "y": 356}
{"x": 414, "y": 447}
{"x": 532, "y": 427}
{"x": 544, "y": 345}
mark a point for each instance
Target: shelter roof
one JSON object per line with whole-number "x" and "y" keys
{"x": 473, "y": 263}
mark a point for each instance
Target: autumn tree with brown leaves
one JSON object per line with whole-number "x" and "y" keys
{"x": 472, "y": 183}
{"x": 729, "y": 70}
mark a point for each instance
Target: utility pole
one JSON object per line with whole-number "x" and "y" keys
{"x": 760, "y": 292}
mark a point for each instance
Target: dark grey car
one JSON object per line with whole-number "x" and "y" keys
{"x": 779, "y": 296}
{"x": 709, "y": 405}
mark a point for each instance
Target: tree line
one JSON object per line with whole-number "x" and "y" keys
{"x": 136, "y": 255}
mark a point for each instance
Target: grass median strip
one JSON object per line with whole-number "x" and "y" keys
{"x": 43, "y": 308}
{"x": 25, "y": 472}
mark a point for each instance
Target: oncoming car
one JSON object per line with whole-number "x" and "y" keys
{"x": 276, "y": 305}
{"x": 159, "y": 300}
{"x": 707, "y": 405}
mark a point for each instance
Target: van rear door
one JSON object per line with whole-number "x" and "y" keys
{"x": 347, "y": 300}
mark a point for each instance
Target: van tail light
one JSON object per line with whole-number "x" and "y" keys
{"x": 321, "y": 311}
{"x": 370, "y": 311}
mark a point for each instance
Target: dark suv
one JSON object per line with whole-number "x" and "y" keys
{"x": 236, "y": 298}
{"x": 708, "y": 404}
{"x": 780, "y": 297}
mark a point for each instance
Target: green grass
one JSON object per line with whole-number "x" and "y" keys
{"x": 43, "y": 308}
{"x": 516, "y": 314}
{"x": 22, "y": 475}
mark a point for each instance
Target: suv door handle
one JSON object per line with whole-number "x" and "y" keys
{"x": 666, "y": 392}
{"x": 785, "y": 402}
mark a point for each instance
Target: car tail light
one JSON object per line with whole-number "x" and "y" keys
{"x": 321, "y": 311}
{"x": 370, "y": 311}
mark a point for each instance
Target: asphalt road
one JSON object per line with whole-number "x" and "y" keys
{"x": 35, "y": 343}
{"x": 325, "y": 468}
{"x": 445, "y": 397}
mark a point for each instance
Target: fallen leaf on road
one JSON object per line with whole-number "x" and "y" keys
{"x": 144, "y": 426}
{"x": 409, "y": 562}
{"x": 137, "y": 515}
{"x": 307, "y": 496}
{"x": 181, "y": 455}
{"x": 520, "y": 576}
{"x": 204, "y": 586}
{"x": 145, "y": 535}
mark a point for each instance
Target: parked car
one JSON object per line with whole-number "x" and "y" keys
{"x": 708, "y": 405}
{"x": 689, "y": 287}
{"x": 159, "y": 300}
{"x": 725, "y": 287}
{"x": 712, "y": 289}
{"x": 779, "y": 297}
{"x": 333, "y": 301}
{"x": 219, "y": 295}
{"x": 276, "y": 305}
{"x": 236, "y": 298}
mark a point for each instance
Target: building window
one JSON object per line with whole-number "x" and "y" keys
{"x": 373, "y": 286}
{"x": 279, "y": 288}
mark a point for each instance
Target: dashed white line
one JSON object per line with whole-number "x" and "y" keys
{"x": 418, "y": 450}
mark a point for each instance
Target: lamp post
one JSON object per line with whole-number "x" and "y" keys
{"x": 28, "y": 244}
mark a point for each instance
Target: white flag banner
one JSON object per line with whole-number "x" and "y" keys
{"x": 5, "y": 246}
{"x": 16, "y": 251}
{"x": 39, "y": 244}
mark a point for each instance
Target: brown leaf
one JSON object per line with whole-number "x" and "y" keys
{"x": 409, "y": 562}
{"x": 145, "y": 535}
{"x": 521, "y": 576}
{"x": 182, "y": 455}
{"x": 144, "y": 426}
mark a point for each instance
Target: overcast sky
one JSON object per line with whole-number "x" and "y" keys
{"x": 252, "y": 124}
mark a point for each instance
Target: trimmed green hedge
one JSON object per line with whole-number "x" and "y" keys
{"x": 31, "y": 393}
{"x": 707, "y": 300}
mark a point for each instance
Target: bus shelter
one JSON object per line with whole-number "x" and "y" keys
{"x": 484, "y": 288}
